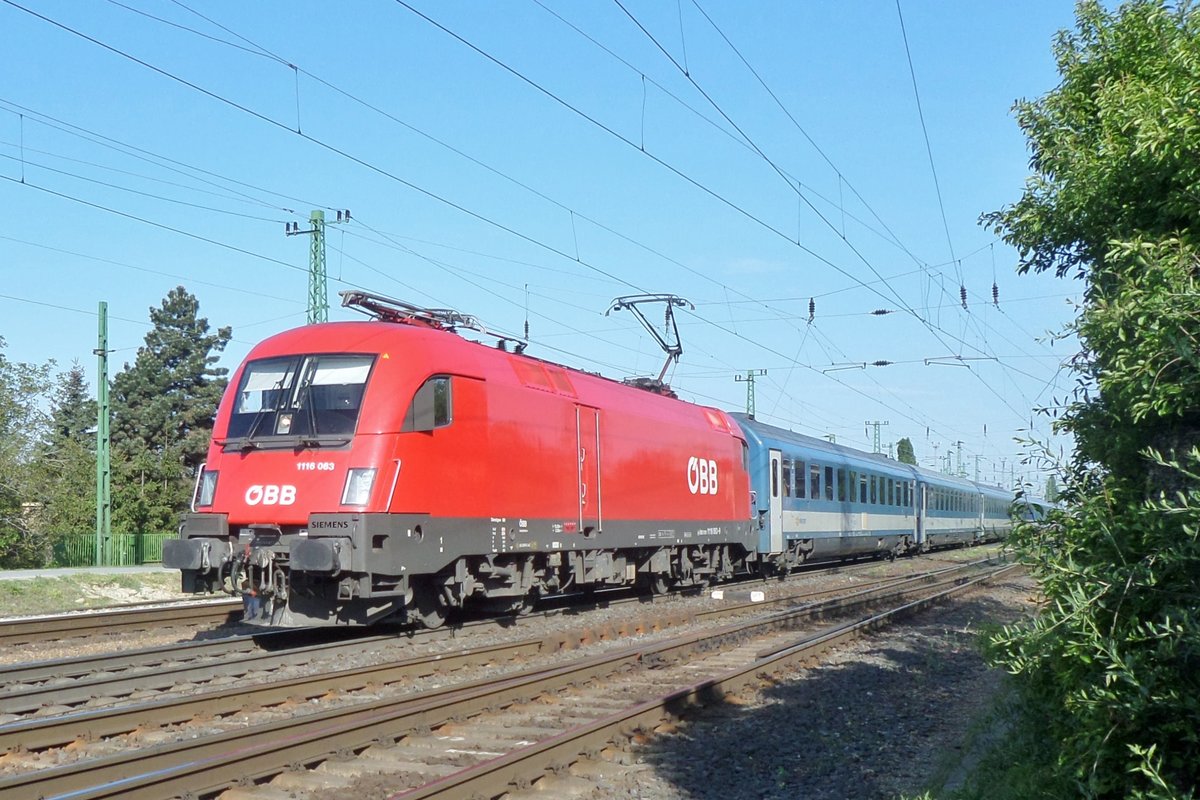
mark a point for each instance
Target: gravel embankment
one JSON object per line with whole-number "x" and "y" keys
{"x": 883, "y": 716}
{"x": 886, "y": 716}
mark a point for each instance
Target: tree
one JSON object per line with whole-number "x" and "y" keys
{"x": 904, "y": 451}
{"x": 163, "y": 407}
{"x": 1108, "y": 671}
{"x": 64, "y": 465}
{"x": 22, "y": 425}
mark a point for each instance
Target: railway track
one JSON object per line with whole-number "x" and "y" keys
{"x": 204, "y": 765}
{"x": 59, "y": 686}
{"x": 118, "y": 621}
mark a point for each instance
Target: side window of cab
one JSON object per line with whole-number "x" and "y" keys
{"x": 432, "y": 406}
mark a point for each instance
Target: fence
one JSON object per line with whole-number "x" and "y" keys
{"x": 124, "y": 549}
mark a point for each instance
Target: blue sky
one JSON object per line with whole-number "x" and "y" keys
{"x": 539, "y": 158}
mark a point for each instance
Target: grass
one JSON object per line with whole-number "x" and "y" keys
{"x": 53, "y": 595}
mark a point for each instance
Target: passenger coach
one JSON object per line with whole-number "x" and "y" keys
{"x": 819, "y": 500}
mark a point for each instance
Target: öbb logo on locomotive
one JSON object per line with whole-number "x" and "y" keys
{"x": 270, "y": 495}
{"x": 702, "y": 475}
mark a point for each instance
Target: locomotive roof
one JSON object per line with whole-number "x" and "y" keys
{"x": 471, "y": 356}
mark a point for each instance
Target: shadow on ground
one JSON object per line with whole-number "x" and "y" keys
{"x": 892, "y": 719}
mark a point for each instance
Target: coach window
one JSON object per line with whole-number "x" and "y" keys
{"x": 862, "y": 489}
{"x": 853, "y": 484}
{"x": 871, "y": 480}
{"x": 829, "y": 483}
{"x": 798, "y": 478}
{"x": 814, "y": 481}
{"x": 787, "y": 477}
{"x": 432, "y": 406}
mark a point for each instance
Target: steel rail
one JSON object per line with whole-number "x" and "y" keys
{"x": 204, "y": 766}
{"x": 518, "y": 767}
{"x": 49, "y": 732}
{"x": 27, "y": 630}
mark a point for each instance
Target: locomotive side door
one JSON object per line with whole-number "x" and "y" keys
{"x": 775, "y": 521}
{"x": 587, "y": 449}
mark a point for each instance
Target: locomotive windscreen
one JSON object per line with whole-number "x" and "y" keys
{"x": 308, "y": 398}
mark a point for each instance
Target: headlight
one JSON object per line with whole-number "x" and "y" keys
{"x": 206, "y": 487}
{"x": 358, "y": 487}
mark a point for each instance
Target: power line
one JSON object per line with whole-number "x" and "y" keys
{"x": 379, "y": 169}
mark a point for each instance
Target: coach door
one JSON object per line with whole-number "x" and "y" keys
{"x": 776, "y": 507}
{"x": 587, "y": 446}
{"x": 922, "y": 515}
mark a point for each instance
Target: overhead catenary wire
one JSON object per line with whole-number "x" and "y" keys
{"x": 572, "y": 212}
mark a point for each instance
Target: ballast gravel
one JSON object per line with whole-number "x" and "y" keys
{"x": 880, "y": 717}
{"x": 892, "y": 715}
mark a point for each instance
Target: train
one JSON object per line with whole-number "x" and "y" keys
{"x": 393, "y": 468}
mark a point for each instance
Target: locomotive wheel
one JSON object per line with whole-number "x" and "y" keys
{"x": 427, "y": 607}
{"x": 654, "y": 583}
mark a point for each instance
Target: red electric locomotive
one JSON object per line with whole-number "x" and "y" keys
{"x": 360, "y": 469}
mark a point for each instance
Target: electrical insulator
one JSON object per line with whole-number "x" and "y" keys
{"x": 962, "y": 291}
{"x": 526, "y": 330}
{"x": 881, "y": 363}
{"x": 995, "y": 294}
{"x": 812, "y": 308}
{"x": 879, "y": 312}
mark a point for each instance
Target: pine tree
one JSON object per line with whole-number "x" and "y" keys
{"x": 162, "y": 414}
{"x": 73, "y": 414}
{"x": 64, "y": 466}
{"x": 904, "y": 451}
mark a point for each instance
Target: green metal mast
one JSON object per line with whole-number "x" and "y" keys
{"x": 751, "y": 374}
{"x": 318, "y": 290}
{"x": 876, "y": 424}
{"x": 318, "y": 284}
{"x": 103, "y": 456}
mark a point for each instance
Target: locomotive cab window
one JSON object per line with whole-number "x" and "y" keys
{"x": 315, "y": 399}
{"x": 432, "y": 406}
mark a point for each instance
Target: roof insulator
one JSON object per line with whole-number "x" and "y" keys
{"x": 962, "y": 291}
{"x": 995, "y": 294}
{"x": 812, "y": 308}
